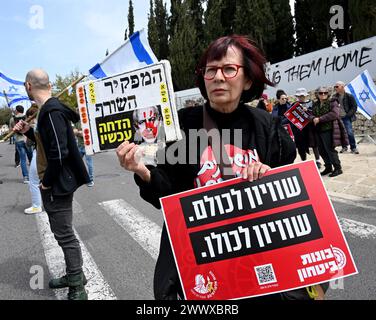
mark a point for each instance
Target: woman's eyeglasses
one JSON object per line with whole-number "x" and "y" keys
{"x": 323, "y": 93}
{"x": 228, "y": 70}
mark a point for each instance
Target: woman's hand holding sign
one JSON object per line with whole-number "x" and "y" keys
{"x": 255, "y": 171}
{"x": 130, "y": 160}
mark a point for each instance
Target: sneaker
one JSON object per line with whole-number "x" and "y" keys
{"x": 26, "y": 180}
{"x": 17, "y": 165}
{"x": 33, "y": 210}
{"x": 355, "y": 151}
{"x": 343, "y": 150}
{"x": 90, "y": 184}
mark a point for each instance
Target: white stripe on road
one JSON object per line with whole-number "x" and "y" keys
{"x": 352, "y": 203}
{"x": 147, "y": 233}
{"x": 144, "y": 231}
{"x": 358, "y": 229}
{"x": 97, "y": 288}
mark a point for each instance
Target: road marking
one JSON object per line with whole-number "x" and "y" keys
{"x": 352, "y": 203}
{"x": 97, "y": 288}
{"x": 144, "y": 231}
{"x": 358, "y": 229}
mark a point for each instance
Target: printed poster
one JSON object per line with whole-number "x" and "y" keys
{"x": 297, "y": 116}
{"x": 137, "y": 106}
{"x": 239, "y": 239}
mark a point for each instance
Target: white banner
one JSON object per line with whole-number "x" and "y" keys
{"x": 323, "y": 67}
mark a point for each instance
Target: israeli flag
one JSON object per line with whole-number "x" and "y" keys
{"x": 133, "y": 54}
{"x": 14, "y": 91}
{"x": 364, "y": 91}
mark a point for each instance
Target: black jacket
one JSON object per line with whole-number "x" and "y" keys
{"x": 65, "y": 170}
{"x": 349, "y": 104}
{"x": 274, "y": 147}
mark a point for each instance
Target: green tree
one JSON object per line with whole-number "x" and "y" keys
{"x": 212, "y": 19}
{"x": 196, "y": 11}
{"x": 183, "y": 43}
{"x": 174, "y": 16}
{"x": 283, "y": 46}
{"x": 5, "y": 114}
{"x": 161, "y": 26}
{"x": 312, "y": 25}
{"x": 61, "y": 83}
{"x": 130, "y": 20}
{"x": 254, "y": 18}
{"x": 362, "y": 18}
{"x": 228, "y": 15}
{"x": 152, "y": 30}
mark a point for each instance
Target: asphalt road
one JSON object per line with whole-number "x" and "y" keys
{"x": 126, "y": 266}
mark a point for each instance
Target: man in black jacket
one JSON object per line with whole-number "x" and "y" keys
{"x": 61, "y": 171}
{"x": 348, "y": 109}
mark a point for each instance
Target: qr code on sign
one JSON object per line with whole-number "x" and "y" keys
{"x": 265, "y": 274}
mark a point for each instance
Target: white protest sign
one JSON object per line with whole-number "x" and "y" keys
{"x": 134, "y": 105}
{"x": 323, "y": 67}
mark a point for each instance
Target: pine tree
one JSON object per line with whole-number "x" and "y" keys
{"x": 174, "y": 9}
{"x": 254, "y": 18}
{"x": 283, "y": 47}
{"x": 228, "y": 16}
{"x": 161, "y": 26}
{"x": 183, "y": 45}
{"x": 362, "y": 18}
{"x": 212, "y": 17}
{"x": 312, "y": 25}
{"x": 196, "y": 11}
{"x": 130, "y": 19}
{"x": 152, "y": 31}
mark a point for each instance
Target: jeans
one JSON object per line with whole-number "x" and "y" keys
{"x": 36, "y": 199}
{"x": 89, "y": 162}
{"x": 60, "y": 214}
{"x": 23, "y": 151}
{"x": 349, "y": 129}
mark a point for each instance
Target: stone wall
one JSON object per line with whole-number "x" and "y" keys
{"x": 364, "y": 126}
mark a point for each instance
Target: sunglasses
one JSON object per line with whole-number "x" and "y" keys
{"x": 322, "y": 93}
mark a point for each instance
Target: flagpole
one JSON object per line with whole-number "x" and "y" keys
{"x": 6, "y": 98}
{"x": 28, "y": 120}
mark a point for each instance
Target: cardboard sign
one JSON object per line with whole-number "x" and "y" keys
{"x": 239, "y": 239}
{"x": 137, "y": 105}
{"x": 297, "y": 116}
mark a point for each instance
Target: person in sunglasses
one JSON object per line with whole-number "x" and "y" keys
{"x": 348, "y": 109}
{"x": 330, "y": 131}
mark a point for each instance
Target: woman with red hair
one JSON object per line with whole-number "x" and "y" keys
{"x": 229, "y": 74}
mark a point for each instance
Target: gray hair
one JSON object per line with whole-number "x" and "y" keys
{"x": 340, "y": 83}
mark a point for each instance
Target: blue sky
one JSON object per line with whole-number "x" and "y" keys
{"x": 62, "y": 35}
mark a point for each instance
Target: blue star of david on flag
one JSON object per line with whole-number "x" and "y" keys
{"x": 363, "y": 90}
{"x": 364, "y": 96}
{"x": 13, "y": 92}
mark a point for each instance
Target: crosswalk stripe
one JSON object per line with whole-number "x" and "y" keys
{"x": 144, "y": 231}
{"x": 97, "y": 288}
{"x": 358, "y": 229}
